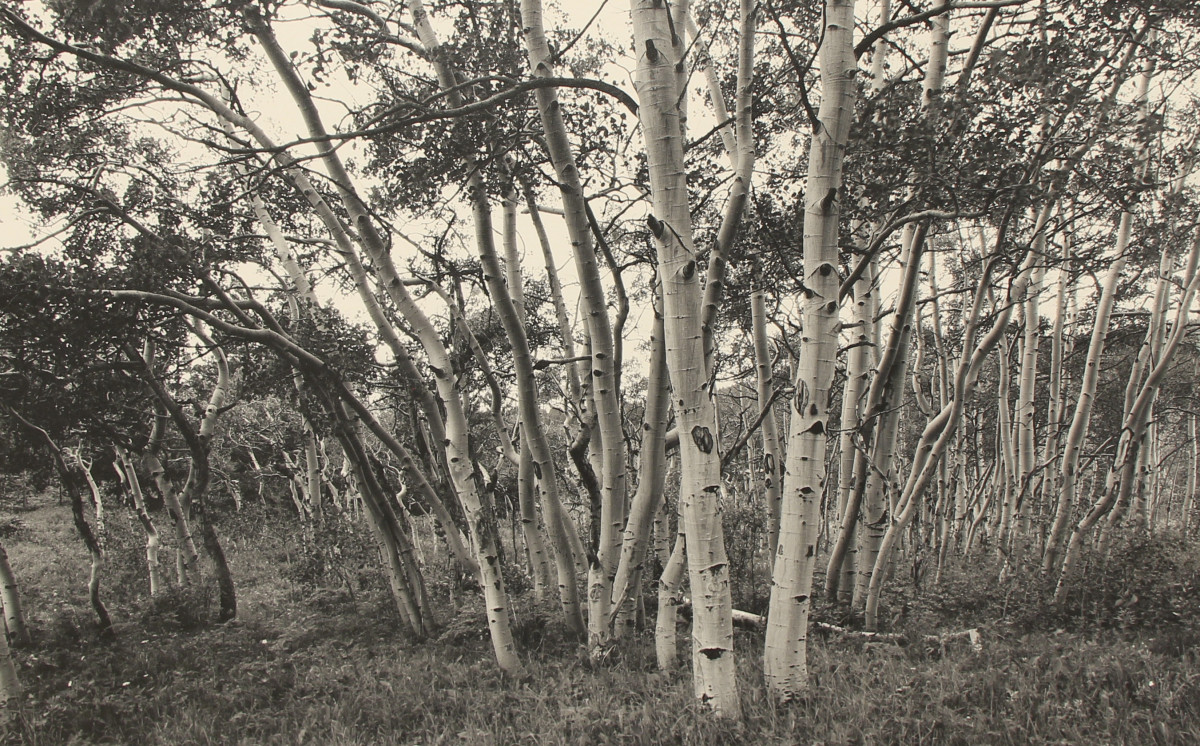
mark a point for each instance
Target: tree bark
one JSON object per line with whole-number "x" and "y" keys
{"x": 785, "y": 664}
{"x": 660, "y": 55}
{"x": 14, "y": 617}
{"x": 126, "y": 470}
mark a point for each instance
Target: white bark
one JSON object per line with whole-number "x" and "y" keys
{"x": 659, "y": 52}
{"x": 126, "y": 470}
{"x": 785, "y": 664}
{"x": 14, "y": 617}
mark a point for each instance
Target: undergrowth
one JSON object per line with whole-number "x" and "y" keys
{"x": 315, "y": 658}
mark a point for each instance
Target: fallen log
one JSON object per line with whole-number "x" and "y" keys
{"x": 747, "y": 620}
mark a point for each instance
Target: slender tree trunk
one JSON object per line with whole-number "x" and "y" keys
{"x": 538, "y": 561}
{"x": 1193, "y": 474}
{"x": 742, "y": 157}
{"x": 669, "y": 597}
{"x": 455, "y": 442}
{"x": 1133, "y": 430}
{"x": 85, "y": 532}
{"x": 660, "y": 57}
{"x": 126, "y": 470}
{"x": 1004, "y": 437}
{"x": 772, "y": 462}
{"x": 531, "y": 423}
{"x": 785, "y": 664}
{"x": 651, "y": 483}
{"x": 940, "y": 431}
{"x": 14, "y": 617}
{"x": 10, "y": 685}
{"x": 840, "y": 572}
{"x": 1051, "y": 452}
{"x": 1026, "y": 397}
{"x": 604, "y": 375}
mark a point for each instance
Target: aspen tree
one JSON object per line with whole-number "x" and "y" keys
{"x": 741, "y": 156}
{"x": 198, "y": 439}
{"x": 1007, "y": 473}
{"x": 669, "y": 599}
{"x": 785, "y": 664}
{"x": 125, "y": 470}
{"x": 1026, "y": 402}
{"x": 604, "y": 376}
{"x": 1056, "y": 402}
{"x": 659, "y": 49}
{"x": 10, "y": 599}
{"x": 886, "y": 394}
{"x": 526, "y": 486}
{"x": 457, "y": 452}
{"x": 1133, "y": 429}
{"x": 531, "y": 424}
{"x": 1081, "y": 419}
{"x": 951, "y": 492}
{"x": 843, "y": 558}
{"x": 10, "y": 685}
{"x": 651, "y": 483}
{"x": 940, "y": 430}
{"x": 1193, "y": 473}
{"x": 362, "y": 285}
{"x": 771, "y": 462}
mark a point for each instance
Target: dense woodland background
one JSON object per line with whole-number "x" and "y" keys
{"x": 478, "y": 371}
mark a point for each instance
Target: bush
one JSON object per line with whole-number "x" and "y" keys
{"x": 180, "y": 608}
{"x": 335, "y": 552}
{"x": 1146, "y": 582}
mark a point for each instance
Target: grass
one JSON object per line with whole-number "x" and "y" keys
{"x": 315, "y": 659}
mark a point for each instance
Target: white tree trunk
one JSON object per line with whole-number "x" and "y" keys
{"x": 660, "y": 51}
{"x": 126, "y": 470}
{"x": 14, "y": 617}
{"x": 785, "y": 663}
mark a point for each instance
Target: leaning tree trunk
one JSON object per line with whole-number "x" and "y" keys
{"x": 771, "y": 461}
{"x": 785, "y": 664}
{"x": 604, "y": 375}
{"x": 940, "y": 430}
{"x": 10, "y": 685}
{"x": 456, "y": 431}
{"x": 539, "y": 562}
{"x": 125, "y": 469}
{"x": 81, "y": 525}
{"x": 651, "y": 483}
{"x": 1133, "y": 430}
{"x": 1077, "y": 434}
{"x": 14, "y": 617}
{"x": 197, "y": 497}
{"x": 886, "y": 393}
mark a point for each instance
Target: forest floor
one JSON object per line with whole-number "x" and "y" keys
{"x": 314, "y": 658}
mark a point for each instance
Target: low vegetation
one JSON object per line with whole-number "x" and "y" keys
{"x": 315, "y": 658}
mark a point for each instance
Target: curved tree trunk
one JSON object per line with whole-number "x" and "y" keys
{"x": 85, "y": 532}
{"x": 604, "y": 376}
{"x": 940, "y": 430}
{"x": 10, "y": 685}
{"x": 651, "y": 483}
{"x": 458, "y": 456}
{"x": 1133, "y": 430}
{"x": 772, "y": 463}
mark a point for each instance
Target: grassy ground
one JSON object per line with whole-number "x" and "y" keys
{"x": 314, "y": 659}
